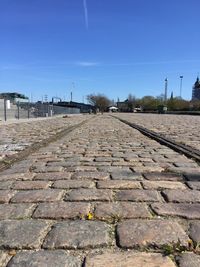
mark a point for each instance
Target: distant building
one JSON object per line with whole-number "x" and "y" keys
{"x": 84, "y": 108}
{"x": 123, "y": 106}
{"x": 196, "y": 90}
{"x": 14, "y": 97}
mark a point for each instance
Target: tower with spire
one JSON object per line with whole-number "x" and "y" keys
{"x": 196, "y": 90}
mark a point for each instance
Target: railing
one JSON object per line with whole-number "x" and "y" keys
{"x": 23, "y": 110}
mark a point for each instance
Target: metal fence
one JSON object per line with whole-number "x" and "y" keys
{"x": 19, "y": 110}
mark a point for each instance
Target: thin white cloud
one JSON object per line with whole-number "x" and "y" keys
{"x": 86, "y": 13}
{"x": 87, "y": 64}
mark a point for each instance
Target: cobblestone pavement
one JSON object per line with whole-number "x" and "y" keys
{"x": 181, "y": 128}
{"x": 102, "y": 196}
{"x": 17, "y": 136}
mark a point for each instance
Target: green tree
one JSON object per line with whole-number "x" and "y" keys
{"x": 149, "y": 103}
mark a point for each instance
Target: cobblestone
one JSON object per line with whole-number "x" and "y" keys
{"x": 133, "y": 233}
{"x": 138, "y": 195}
{"x": 78, "y": 234}
{"x": 163, "y": 176}
{"x": 44, "y": 258}
{"x": 194, "y": 185}
{"x": 5, "y": 195}
{"x": 163, "y": 185}
{"x": 90, "y": 175}
{"x": 194, "y": 231}
{"x": 119, "y": 184}
{"x": 30, "y": 185}
{"x": 25, "y": 234}
{"x": 126, "y": 175}
{"x": 4, "y": 258}
{"x": 128, "y": 259}
{"x": 89, "y": 195}
{"x": 37, "y": 196}
{"x": 189, "y": 260}
{"x": 73, "y": 184}
{"x": 185, "y": 210}
{"x": 52, "y": 176}
{"x": 119, "y": 211}
{"x": 182, "y": 195}
{"x": 62, "y": 210}
{"x": 16, "y": 211}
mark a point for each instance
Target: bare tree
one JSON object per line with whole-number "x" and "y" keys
{"x": 100, "y": 101}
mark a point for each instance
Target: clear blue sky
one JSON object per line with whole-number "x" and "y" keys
{"x": 114, "y": 47}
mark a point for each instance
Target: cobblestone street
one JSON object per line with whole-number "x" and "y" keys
{"x": 181, "y": 128}
{"x": 19, "y": 135}
{"x": 103, "y": 195}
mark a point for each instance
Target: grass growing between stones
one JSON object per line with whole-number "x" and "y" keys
{"x": 176, "y": 248}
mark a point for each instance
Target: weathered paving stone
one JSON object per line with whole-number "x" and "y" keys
{"x": 89, "y": 195}
{"x": 53, "y": 176}
{"x": 186, "y": 164}
{"x": 44, "y": 258}
{"x": 48, "y": 169}
{"x": 62, "y": 210}
{"x": 158, "y": 185}
{"x": 97, "y": 164}
{"x": 128, "y": 259}
{"x": 143, "y": 169}
{"x": 4, "y": 258}
{"x": 182, "y": 195}
{"x": 185, "y": 170}
{"x": 126, "y": 163}
{"x": 189, "y": 260}
{"x": 194, "y": 185}
{"x": 91, "y": 175}
{"x": 138, "y": 195}
{"x": 5, "y": 185}
{"x": 117, "y": 211}
{"x": 73, "y": 184}
{"x": 111, "y": 169}
{"x": 15, "y": 211}
{"x": 16, "y": 176}
{"x": 163, "y": 176}
{"x": 104, "y": 159}
{"x": 78, "y": 234}
{"x": 5, "y": 195}
{"x": 185, "y": 210}
{"x": 82, "y": 169}
{"x": 126, "y": 175}
{"x": 112, "y": 184}
{"x": 133, "y": 233}
{"x": 26, "y": 185}
{"x": 46, "y": 195}
{"x": 22, "y": 234}
{"x": 194, "y": 231}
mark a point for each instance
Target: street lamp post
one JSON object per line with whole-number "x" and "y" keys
{"x": 181, "y": 83}
{"x": 166, "y": 85}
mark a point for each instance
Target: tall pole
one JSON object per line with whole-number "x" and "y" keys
{"x": 181, "y": 83}
{"x": 166, "y": 85}
{"x": 5, "y": 114}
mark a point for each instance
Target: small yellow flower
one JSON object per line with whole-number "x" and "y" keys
{"x": 90, "y": 216}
